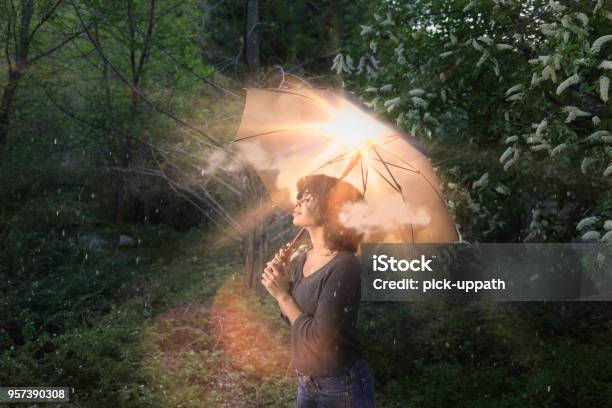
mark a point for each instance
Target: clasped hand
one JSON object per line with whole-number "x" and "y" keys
{"x": 275, "y": 276}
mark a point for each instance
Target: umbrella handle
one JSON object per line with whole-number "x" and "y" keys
{"x": 290, "y": 246}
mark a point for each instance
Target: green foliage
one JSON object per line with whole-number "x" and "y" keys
{"x": 478, "y": 355}
{"x": 291, "y": 33}
{"x": 157, "y": 235}
{"x": 519, "y": 86}
{"x": 81, "y": 322}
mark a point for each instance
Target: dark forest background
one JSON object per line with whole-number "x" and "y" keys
{"x": 129, "y": 241}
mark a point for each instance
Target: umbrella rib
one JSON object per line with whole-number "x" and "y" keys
{"x": 418, "y": 172}
{"x": 331, "y": 161}
{"x": 291, "y": 93}
{"x": 317, "y": 101}
{"x": 280, "y": 131}
{"x": 398, "y": 158}
{"x": 384, "y": 178}
{"x": 399, "y": 167}
{"x": 367, "y": 172}
{"x": 399, "y": 188}
{"x": 363, "y": 181}
{"x": 435, "y": 189}
{"x": 337, "y": 159}
{"x": 389, "y": 140}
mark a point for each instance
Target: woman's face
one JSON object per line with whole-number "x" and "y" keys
{"x": 303, "y": 212}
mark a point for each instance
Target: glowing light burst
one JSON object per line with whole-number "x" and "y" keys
{"x": 351, "y": 128}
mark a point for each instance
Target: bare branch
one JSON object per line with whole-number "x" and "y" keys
{"x": 310, "y": 60}
{"x": 194, "y": 161}
{"x": 8, "y": 42}
{"x": 132, "y": 31}
{"x": 147, "y": 40}
{"x": 220, "y": 210}
{"x": 15, "y": 28}
{"x": 216, "y": 204}
{"x": 207, "y": 198}
{"x": 45, "y": 18}
{"x": 195, "y": 74}
{"x": 57, "y": 47}
{"x": 213, "y": 141}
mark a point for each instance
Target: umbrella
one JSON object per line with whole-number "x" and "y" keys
{"x": 289, "y": 133}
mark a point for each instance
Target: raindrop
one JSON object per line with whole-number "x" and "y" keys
{"x": 334, "y": 293}
{"x": 86, "y": 255}
{"x": 548, "y": 388}
{"x": 137, "y": 260}
{"x": 55, "y": 141}
{"x": 93, "y": 195}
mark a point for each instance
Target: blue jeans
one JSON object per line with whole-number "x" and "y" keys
{"x": 353, "y": 389}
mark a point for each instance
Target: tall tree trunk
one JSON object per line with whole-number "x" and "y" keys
{"x": 137, "y": 63}
{"x": 19, "y": 37}
{"x": 255, "y": 238}
{"x": 8, "y": 94}
{"x": 251, "y": 40}
{"x": 125, "y": 158}
{"x": 121, "y": 194}
{"x": 16, "y": 70}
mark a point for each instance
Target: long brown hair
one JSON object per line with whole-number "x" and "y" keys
{"x": 330, "y": 194}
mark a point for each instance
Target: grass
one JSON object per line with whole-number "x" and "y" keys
{"x": 169, "y": 324}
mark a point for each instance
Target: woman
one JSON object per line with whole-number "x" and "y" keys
{"x": 322, "y": 303}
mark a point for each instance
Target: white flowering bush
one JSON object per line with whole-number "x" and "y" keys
{"x": 512, "y": 95}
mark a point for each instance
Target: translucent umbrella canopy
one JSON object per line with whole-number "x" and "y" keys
{"x": 288, "y": 134}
